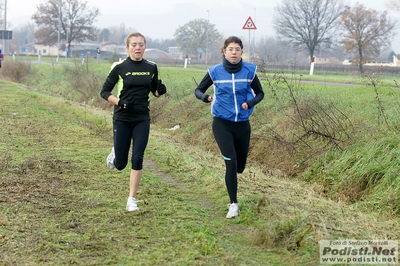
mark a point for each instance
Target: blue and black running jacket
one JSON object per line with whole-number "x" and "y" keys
{"x": 234, "y": 84}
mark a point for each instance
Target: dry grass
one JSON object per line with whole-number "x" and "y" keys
{"x": 60, "y": 206}
{"x": 284, "y": 213}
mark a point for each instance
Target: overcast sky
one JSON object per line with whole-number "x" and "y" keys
{"x": 158, "y": 19}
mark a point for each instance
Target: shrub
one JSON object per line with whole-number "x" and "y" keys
{"x": 15, "y": 71}
{"x": 86, "y": 81}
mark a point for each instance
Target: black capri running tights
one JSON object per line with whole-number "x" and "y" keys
{"x": 124, "y": 134}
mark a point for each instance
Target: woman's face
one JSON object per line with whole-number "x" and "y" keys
{"x": 233, "y": 52}
{"x": 136, "y": 48}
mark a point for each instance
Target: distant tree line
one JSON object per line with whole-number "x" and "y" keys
{"x": 315, "y": 26}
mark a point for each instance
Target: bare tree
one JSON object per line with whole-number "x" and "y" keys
{"x": 365, "y": 32}
{"x": 195, "y": 34}
{"x": 72, "y": 19}
{"x": 393, "y": 5}
{"x": 104, "y": 35}
{"x": 119, "y": 33}
{"x": 307, "y": 22}
{"x": 24, "y": 34}
{"x": 272, "y": 50}
{"x": 161, "y": 44}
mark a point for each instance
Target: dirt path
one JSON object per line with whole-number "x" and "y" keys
{"x": 60, "y": 205}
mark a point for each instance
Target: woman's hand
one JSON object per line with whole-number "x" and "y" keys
{"x": 245, "y": 106}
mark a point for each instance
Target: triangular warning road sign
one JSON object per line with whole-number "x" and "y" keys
{"x": 249, "y": 25}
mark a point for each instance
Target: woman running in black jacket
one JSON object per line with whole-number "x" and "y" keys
{"x": 133, "y": 78}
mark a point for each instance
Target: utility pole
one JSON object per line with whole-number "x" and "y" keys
{"x": 208, "y": 26}
{"x": 5, "y": 25}
{"x": 59, "y": 26}
{"x": 254, "y": 40}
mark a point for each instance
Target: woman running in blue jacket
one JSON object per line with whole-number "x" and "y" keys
{"x": 237, "y": 90}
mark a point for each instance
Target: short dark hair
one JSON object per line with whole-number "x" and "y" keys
{"x": 232, "y": 39}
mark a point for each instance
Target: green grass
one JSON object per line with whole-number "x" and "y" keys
{"x": 295, "y": 127}
{"x": 336, "y": 77}
{"x": 62, "y": 206}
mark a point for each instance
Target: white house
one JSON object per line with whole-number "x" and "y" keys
{"x": 394, "y": 63}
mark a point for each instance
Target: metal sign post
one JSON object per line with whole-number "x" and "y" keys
{"x": 249, "y": 25}
{"x": 5, "y": 25}
{"x": 98, "y": 55}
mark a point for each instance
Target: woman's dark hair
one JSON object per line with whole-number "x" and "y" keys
{"x": 229, "y": 40}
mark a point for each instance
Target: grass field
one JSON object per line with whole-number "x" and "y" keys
{"x": 60, "y": 205}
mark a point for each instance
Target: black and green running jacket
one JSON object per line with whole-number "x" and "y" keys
{"x": 133, "y": 80}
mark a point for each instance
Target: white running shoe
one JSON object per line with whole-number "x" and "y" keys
{"x": 131, "y": 205}
{"x": 233, "y": 211}
{"x": 110, "y": 159}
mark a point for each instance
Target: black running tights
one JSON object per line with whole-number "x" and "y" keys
{"x": 233, "y": 139}
{"x": 124, "y": 134}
